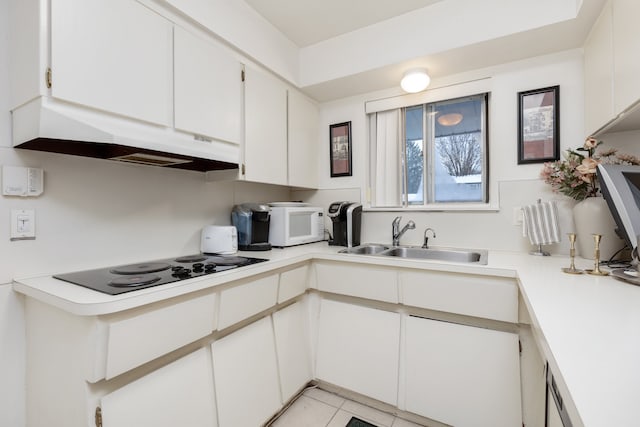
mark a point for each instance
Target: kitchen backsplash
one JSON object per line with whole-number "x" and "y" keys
{"x": 95, "y": 213}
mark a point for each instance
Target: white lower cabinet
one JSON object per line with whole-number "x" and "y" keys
{"x": 460, "y": 293}
{"x": 364, "y": 281}
{"x": 293, "y": 348}
{"x": 461, "y": 375}
{"x": 293, "y": 282}
{"x": 178, "y": 394}
{"x": 358, "y": 349}
{"x": 163, "y": 328}
{"x": 247, "y": 298}
{"x": 246, "y": 376}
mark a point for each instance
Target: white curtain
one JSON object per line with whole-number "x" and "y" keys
{"x": 386, "y": 155}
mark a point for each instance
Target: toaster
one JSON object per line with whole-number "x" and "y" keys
{"x": 219, "y": 239}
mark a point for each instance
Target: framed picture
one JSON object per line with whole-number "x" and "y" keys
{"x": 340, "y": 149}
{"x": 539, "y": 125}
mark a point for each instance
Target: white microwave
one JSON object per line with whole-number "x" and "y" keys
{"x": 295, "y": 225}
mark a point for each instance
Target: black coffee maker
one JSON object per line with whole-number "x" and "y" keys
{"x": 346, "y": 218}
{"x": 252, "y": 221}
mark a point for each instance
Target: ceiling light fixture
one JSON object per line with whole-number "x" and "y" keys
{"x": 450, "y": 119}
{"x": 415, "y": 80}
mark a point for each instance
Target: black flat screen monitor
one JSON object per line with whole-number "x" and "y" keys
{"x": 620, "y": 185}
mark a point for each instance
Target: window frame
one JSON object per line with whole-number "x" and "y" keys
{"x": 429, "y": 144}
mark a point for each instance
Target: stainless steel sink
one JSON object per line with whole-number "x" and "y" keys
{"x": 439, "y": 254}
{"x": 365, "y": 249}
{"x": 473, "y": 256}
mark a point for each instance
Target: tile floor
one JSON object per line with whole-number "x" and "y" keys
{"x": 319, "y": 408}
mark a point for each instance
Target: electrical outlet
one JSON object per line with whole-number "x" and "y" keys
{"x": 23, "y": 224}
{"x": 517, "y": 217}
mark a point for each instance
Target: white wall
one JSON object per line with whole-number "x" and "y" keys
{"x": 12, "y": 337}
{"x": 512, "y": 185}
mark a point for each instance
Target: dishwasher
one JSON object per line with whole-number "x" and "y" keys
{"x": 556, "y": 411}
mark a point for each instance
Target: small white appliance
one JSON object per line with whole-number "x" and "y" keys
{"x": 219, "y": 239}
{"x": 295, "y": 224}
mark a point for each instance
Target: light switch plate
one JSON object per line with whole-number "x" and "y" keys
{"x": 23, "y": 224}
{"x": 517, "y": 216}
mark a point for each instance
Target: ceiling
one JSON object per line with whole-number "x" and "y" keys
{"x": 306, "y": 22}
{"x": 314, "y": 26}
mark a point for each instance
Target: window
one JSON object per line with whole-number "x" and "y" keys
{"x": 430, "y": 154}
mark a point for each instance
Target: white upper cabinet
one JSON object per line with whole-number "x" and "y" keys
{"x": 611, "y": 67}
{"x": 208, "y": 88}
{"x": 626, "y": 45}
{"x": 304, "y": 119}
{"x": 598, "y": 73}
{"x": 113, "y": 55}
{"x": 265, "y": 151}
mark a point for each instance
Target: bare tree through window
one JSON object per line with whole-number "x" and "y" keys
{"x": 461, "y": 154}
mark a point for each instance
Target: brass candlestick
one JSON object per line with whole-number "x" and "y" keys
{"x": 596, "y": 257}
{"x": 572, "y": 253}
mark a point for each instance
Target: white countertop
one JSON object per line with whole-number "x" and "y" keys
{"x": 588, "y": 326}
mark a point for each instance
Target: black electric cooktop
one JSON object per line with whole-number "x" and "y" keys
{"x": 132, "y": 277}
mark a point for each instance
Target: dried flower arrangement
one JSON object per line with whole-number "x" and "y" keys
{"x": 575, "y": 175}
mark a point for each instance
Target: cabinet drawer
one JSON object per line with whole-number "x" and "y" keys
{"x": 481, "y": 296}
{"x": 138, "y": 337}
{"x": 361, "y": 281}
{"x": 246, "y": 299}
{"x": 293, "y": 283}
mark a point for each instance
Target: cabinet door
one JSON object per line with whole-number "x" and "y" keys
{"x": 598, "y": 73}
{"x": 293, "y": 349}
{"x": 113, "y": 55}
{"x": 626, "y": 45}
{"x": 179, "y": 394}
{"x": 358, "y": 349}
{"x": 246, "y": 377}
{"x": 265, "y": 150}
{"x": 462, "y": 375}
{"x": 208, "y": 88}
{"x": 303, "y": 141}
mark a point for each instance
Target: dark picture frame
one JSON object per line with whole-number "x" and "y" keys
{"x": 340, "y": 149}
{"x": 539, "y": 125}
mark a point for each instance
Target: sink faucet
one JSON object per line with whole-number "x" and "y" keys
{"x": 396, "y": 232}
{"x": 426, "y": 239}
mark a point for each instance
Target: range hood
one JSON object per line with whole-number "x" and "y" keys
{"x": 46, "y": 124}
